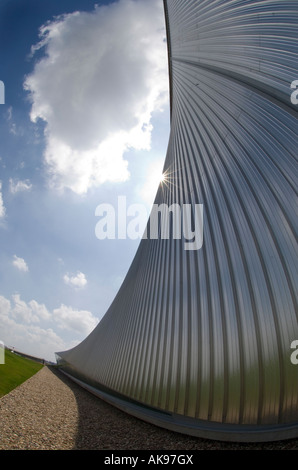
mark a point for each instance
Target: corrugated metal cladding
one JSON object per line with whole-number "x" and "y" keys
{"x": 200, "y": 340}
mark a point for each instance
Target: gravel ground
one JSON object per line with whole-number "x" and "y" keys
{"x": 50, "y": 412}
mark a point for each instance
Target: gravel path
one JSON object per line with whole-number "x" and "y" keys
{"x": 50, "y": 412}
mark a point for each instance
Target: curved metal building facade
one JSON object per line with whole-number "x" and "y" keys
{"x": 199, "y": 341}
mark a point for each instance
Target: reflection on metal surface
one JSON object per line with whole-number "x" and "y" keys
{"x": 200, "y": 341}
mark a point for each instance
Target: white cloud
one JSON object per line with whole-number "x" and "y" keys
{"x": 17, "y": 186}
{"x": 80, "y": 321}
{"x": 22, "y": 311}
{"x": 31, "y": 327}
{"x": 39, "y": 310}
{"x": 19, "y": 328}
{"x": 31, "y": 339}
{"x": 20, "y": 263}
{"x": 12, "y": 126}
{"x": 5, "y": 306}
{"x": 103, "y": 75}
{"x": 31, "y": 312}
{"x": 79, "y": 280}
{"x": 2, "y": 208}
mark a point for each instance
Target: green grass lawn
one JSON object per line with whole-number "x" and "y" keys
{"x": 15, "y": 371}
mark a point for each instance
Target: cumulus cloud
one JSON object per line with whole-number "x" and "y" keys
{"x": 35, "y": 329}
{"x": 20, "y": 263}
{"x": 13, "y": 128}
{"x": 20, "y": 325}
{"x": 31, "y": 312}
{"x": 80, "y": 321}
{"x": 2, "y": 208}
{"x": 79, "y": 280}
{"x": 39, "y": 310}
{"x": 101, "y": 78}
{"x": 31, "y": 339}
{"x": 5, "y": 306}
{"x": 16, "y": 186}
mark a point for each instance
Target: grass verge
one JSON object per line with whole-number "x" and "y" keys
{"x": 15, "y": 371}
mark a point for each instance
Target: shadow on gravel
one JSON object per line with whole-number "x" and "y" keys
{"x": 104, "y": 427}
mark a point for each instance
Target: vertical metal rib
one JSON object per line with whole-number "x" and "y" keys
{"x": 199, "y": 341}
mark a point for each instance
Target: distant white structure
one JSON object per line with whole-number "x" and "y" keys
{"x": 2, "y": 93}
{"x": 2, "y": 353}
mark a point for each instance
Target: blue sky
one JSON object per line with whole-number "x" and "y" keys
{"x": 85, "y": 120}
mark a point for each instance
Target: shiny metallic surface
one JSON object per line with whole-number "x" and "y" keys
{"x": 199, "y": 341}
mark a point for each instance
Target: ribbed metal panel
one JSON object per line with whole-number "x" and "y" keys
{"x": 200, "y": 340}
